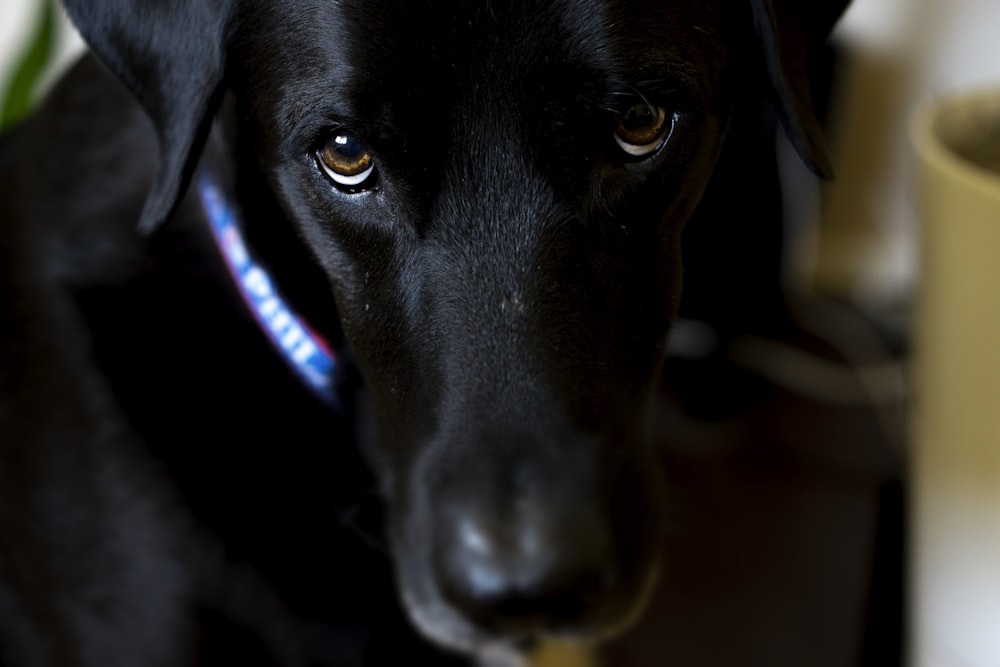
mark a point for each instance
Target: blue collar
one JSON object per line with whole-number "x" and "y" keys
{"x": 307, "y": 353}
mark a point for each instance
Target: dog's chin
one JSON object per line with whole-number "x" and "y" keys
{"x": 441, "y": 624}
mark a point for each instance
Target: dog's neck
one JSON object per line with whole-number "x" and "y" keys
{"x": 307, "y": 353}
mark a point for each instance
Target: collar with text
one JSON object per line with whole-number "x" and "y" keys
{"x": 307, "y": 353}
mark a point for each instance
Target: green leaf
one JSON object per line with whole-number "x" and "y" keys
{"x": 19, "y": 96}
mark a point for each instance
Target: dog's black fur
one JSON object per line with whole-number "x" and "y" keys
{"x": 170, "y": 494}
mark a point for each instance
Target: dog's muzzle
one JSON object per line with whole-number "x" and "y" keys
{"x": 510, "y": 552}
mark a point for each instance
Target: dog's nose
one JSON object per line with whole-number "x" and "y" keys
{"x": 530, "y": 570}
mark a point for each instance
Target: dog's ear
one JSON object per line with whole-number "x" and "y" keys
{"x": 789, "y": 33}
{"x": 171, "y": 54}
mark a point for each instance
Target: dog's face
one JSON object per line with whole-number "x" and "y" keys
{"x": 496, "y": 191}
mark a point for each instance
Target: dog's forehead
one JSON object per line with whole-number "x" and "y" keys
{"x": 581, "y": 28}
{"x": 381, "y": 49}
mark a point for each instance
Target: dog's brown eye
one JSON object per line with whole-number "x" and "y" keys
{"x": 643, "y": 129}
{"x": 346, "y": 160}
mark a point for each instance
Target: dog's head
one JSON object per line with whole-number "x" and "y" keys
{"x": 496, "y": 191}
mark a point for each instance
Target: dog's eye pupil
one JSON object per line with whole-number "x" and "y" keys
{"x": 346, "y": 161}
{"x": 640, "y": 118}
{"x": 347, "y": 145}
{"x": 643, "y": 129}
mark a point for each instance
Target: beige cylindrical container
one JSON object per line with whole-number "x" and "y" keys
{"x": 955, "y": 543}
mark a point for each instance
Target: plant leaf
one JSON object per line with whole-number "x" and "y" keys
{"x": 19, "y": 96}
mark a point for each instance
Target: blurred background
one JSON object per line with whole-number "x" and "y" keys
{"x": 812, "y": 529}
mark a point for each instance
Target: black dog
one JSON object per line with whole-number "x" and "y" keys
{"x": 477, "y": 206}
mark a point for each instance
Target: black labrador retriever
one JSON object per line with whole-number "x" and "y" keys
{"x": 342, "y": 317}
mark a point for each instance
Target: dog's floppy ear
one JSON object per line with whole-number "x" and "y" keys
{"x": 171, "y": 54}
{"x": 789, "y": 31}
